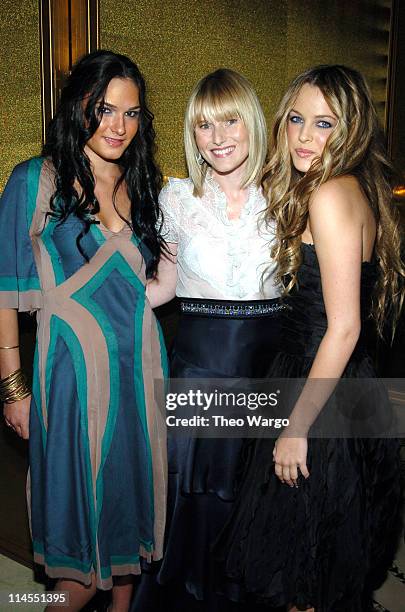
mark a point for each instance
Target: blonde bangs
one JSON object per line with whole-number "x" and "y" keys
{"x": 214, "y": 107}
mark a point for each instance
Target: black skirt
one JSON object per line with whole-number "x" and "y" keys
{"x": 215, "y": 339}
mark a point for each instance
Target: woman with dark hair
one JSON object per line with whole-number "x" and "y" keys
{"x": 79, "y": 241}
{"x": 315, "y": 521}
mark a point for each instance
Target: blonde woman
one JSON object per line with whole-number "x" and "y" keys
{"x": 229, "y": 327}
{"x": 317, "y": 530}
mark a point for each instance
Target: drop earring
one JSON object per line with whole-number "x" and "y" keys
{"x": 199, "y": 159}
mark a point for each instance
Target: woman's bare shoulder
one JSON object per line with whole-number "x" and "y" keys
{"x": 345, "y": 186}
{"x": 339, "y": 195}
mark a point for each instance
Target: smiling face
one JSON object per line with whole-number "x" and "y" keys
{"x": 310, "y": 123}
{"x": 119, "y": 122}
{"x": 223, "y": 144}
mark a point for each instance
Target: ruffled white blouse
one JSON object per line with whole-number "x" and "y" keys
{"x": 218, "y": 258}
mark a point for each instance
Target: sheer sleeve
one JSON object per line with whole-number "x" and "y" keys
{"x": 19, "y": 281}
{"x": 170, "y": 211}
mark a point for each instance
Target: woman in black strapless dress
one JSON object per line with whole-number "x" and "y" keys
{"x": 316, "y": 520}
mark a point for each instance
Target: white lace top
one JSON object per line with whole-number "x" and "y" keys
{"x": 218, "y": 258}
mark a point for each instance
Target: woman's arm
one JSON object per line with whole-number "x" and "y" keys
{"x": 337, "y": 230}
{"x": 162, "y": 289}
{"x": 17, "y": 413}
{"x": 336, "y": 224}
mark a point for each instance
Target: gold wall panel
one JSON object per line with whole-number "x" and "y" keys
{"x": 20, "y": 84}
{"x": 175, "y": 42}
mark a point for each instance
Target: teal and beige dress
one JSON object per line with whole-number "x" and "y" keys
{"x": 97, "y": 485}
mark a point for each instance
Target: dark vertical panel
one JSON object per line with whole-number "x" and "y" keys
{"x": 396, "y": 90}
{"x": 79, "y": 28}
{"x": 69, "y": 29}
{"x": 60, "y": 45}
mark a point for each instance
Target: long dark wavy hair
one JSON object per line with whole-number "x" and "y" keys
{"x": 356, "y": 147}
{"x": 75, "y": 123}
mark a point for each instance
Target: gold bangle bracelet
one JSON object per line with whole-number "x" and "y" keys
{"x": 14, "y": 387}
{"x": 9, "y": 347}
{"x": 10, "y": 399}
{"x": 10, "y": 378}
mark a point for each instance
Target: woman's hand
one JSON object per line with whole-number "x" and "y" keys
{"x": 289, "y": 454}
{"x": 17, "y": 415}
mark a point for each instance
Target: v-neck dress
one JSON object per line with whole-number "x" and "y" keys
{"x": 97, "y": 485}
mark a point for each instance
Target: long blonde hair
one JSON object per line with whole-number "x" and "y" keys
{"x": 221, "y": 95}
{"x": 354, "y": 147}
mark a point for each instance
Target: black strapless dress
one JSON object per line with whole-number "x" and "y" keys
{"x": 329, "y": 542}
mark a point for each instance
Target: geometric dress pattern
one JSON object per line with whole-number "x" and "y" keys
{"x": 97, "y": 481}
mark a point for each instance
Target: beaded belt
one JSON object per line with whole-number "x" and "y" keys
{"x": 230, "y": 309}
